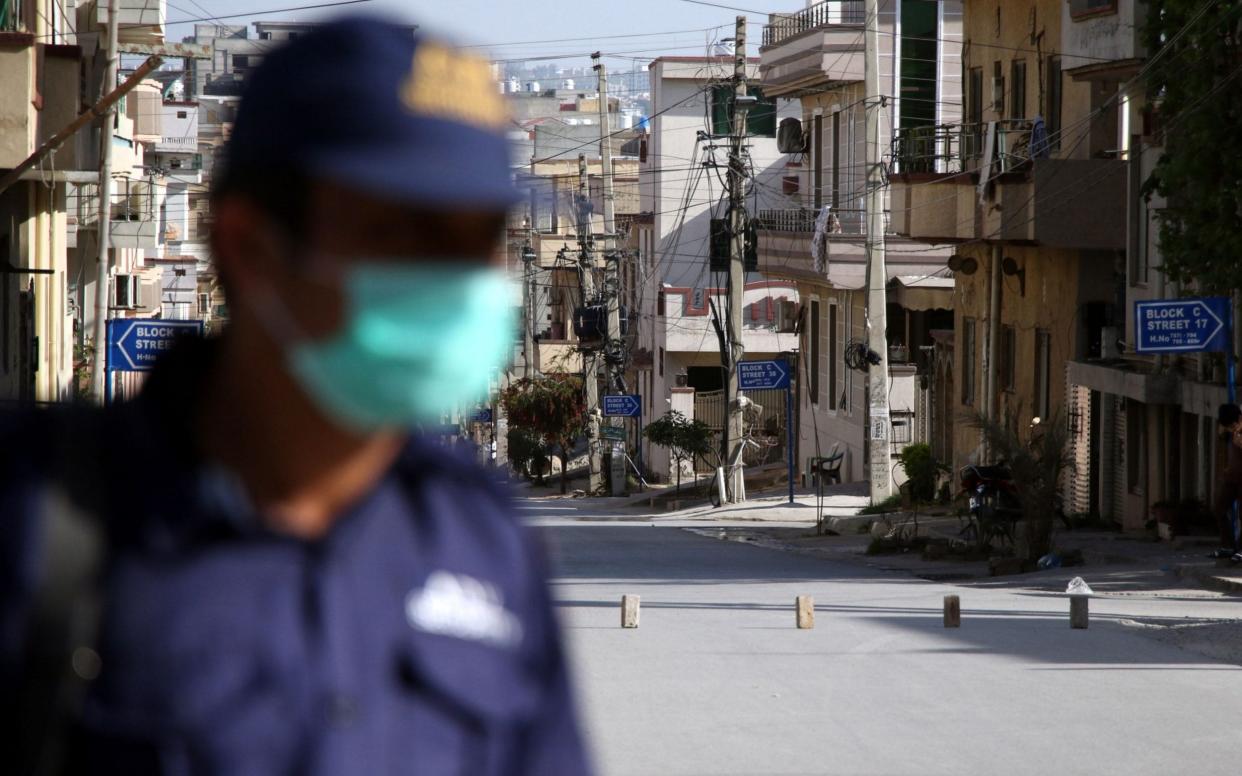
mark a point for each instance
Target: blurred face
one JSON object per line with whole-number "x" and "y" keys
{"x": 383, "y": 312}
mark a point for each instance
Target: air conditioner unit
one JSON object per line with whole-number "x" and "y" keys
{"x": 787, "y": 316}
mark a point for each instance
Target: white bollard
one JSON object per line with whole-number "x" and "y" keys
{"x": 629, "y": 611}
{"x": 805, "y": 605}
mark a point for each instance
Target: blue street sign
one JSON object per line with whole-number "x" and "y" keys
{"x": 135, "y": 343}
{"x": 623, "y": 405}
{"x": 1182, "y": 325}
{"x": 754, "y": 375}
{"x": 482, "y": 415}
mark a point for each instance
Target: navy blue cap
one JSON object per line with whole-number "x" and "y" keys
{"x": 370, "y": 104}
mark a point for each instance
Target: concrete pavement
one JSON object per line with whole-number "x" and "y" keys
{"x": 718, "y": 681}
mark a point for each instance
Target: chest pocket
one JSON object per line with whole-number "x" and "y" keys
{"x": 467, "y": 706}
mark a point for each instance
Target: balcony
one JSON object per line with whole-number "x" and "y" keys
{"x": 138, "y": 21}
{"x": 1065, "y": 203}
{"x": 814, "y": 48}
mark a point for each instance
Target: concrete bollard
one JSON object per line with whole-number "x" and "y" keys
{"x": 952, "y": 611}
{"x": 806, "y": 611}
{"x": 629, "y": 611}
{"x": 1078, "y": 611}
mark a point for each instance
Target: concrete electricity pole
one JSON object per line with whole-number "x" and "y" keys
{"x": 590, "y": 366}
{"x": 528, "y": 308}
{"x": 99, "y": 374}
{"x": 612, "y": 280}
{"x": 737, "y": 256}
{"x": 878, "y": 426}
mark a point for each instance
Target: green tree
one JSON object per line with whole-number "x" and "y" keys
{"x": 552, "y": 408}
{"x": 685, "y": 439}
{"x": 1196, "y": 88}
{"x": 527, "y": 453}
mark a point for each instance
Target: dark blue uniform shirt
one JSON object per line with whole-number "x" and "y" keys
{"x": 417, "y": 637}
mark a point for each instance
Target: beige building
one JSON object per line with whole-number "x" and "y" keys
{"x": 1036, "y": 185}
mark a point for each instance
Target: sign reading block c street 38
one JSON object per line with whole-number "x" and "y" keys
{"x": 134, "y": 344}
{"x": 1182, "y": 325}
{"x": 756, "y": 375}
{"x": 623, "y": 405}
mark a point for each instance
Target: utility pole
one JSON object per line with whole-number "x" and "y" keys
{"x": 528, "y": 307}
{"x": 590, "y": 367}
{"x": 737, "y": 257}
{"x": 99, "y": 374}
{"x": 878, "y": 424}
{"x": 612, "y": 276}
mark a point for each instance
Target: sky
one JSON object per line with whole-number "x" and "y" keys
{"x": 504, "y": 27}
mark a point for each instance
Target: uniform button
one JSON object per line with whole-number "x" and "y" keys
{"x": 342, "y": 710}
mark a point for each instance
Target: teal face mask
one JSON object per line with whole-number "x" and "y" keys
{"x": 417, "y": 339}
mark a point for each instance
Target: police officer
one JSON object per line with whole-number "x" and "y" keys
{"x": 254, "y": 568}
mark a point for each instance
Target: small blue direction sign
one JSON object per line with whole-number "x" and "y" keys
{"x": 755, "y": 375}
{"x": 482, "y": 415}
{"x": 1182, "y": 325}
{"x": 623, "y": 405}
{"x": 134, "y": 344}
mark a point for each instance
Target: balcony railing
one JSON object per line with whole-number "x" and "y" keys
{"x": 782, "y": 26}
{"x": 847, "y": 222}
{"x": 957, "y": 148}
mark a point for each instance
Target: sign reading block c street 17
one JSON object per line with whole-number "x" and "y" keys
{"x": 1182, "y": 325}
{"x": 623, "y": 405}
{"x": 756, "y": 375}
{"x": 134, "y": 344}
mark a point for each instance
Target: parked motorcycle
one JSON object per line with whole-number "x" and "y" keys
{"x": 992, "y": 500}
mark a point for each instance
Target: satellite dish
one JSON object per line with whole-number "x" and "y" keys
{"x": 1009, "y": 266}
{"x": 955, "y": 263}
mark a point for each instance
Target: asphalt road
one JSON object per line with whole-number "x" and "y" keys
{"x": 717, "y": 680}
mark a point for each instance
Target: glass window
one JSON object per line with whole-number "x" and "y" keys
{"x": 1008, "y": 348}
{"x": 1017, "y": 89}
{"x": 814, "y": 337}
{"x": 833, "y": 357}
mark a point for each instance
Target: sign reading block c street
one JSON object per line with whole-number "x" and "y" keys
{"x": 1182, "y": 325}
{"x": 134, "y": 344}
{"x": 757, "y": 375}
{"x": 623, "y": 405}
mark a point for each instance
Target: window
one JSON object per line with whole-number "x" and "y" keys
{"x": 1008, "y": 351}
{"x": 760, "y": 119}
{"x": 182, "y": 114}
{"x": 968, "y": 361}
{"x": 833, "y": 357}
{"x": 1052, "y": 115}
{"x": 240, "y": 61}
{"x": 1043, "y": 373}
{"x": 903, "y": 428}
{"x": 998, "y": 89}
{"x": 1017, "y": 89}
{"x": 918, "y": 50}
{"x": 661, "y": 362}
{"x": 813, "y": 336}
{"x": 974, "y": 96}
{"x": 204, "y": 304}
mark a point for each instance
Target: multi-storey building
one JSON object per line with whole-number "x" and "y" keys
{"x": 1032, "y": 186}
{"x": 817, "y": 240}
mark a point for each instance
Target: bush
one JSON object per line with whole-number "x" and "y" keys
{"x": 922, "y": 470}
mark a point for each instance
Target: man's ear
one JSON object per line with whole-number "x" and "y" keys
{"x": 243, "y": 242}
